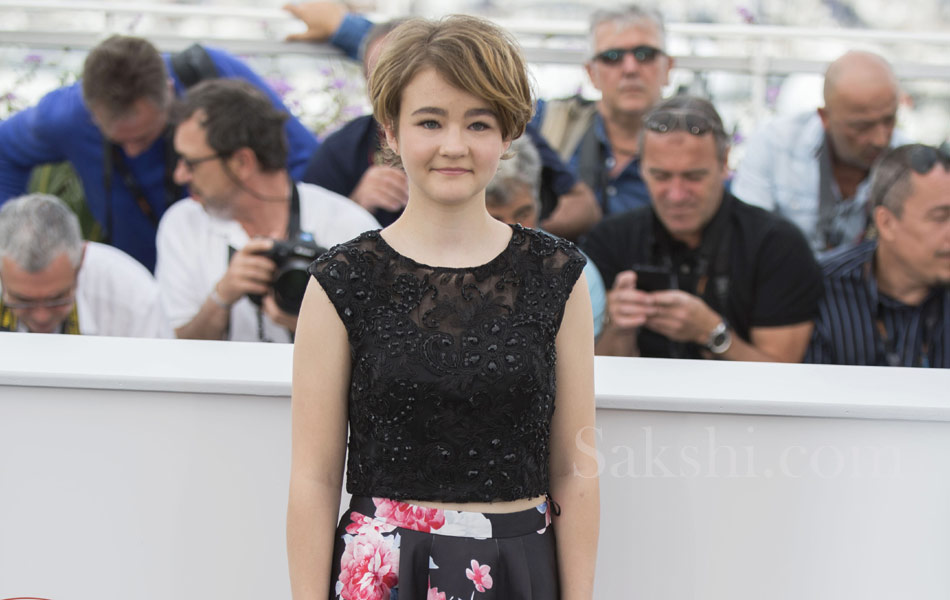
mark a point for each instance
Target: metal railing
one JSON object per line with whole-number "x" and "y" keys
{"x": 761, "y": 53}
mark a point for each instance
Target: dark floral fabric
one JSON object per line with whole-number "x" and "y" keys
{"x": 391, "y": 550}
{"x": 452, "y": 386}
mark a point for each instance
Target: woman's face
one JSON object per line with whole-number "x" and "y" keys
{"x": 449, "y": 141}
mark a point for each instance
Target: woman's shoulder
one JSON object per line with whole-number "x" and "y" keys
{"x": 352, "y": 251}
{"x": 547, "y": 249}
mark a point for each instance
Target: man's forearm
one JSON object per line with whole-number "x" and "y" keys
{"x": 575, "y": 214}
{"x": 616, "y": 341}
{"x": 210, "y": 323}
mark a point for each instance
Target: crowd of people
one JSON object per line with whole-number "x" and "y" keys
{"x": 445, "y": 362}
{"x": 829, "y": 243}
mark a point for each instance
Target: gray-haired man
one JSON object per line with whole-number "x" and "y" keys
{"x": 629, "y": 65}
{"x": 54, "y": 282}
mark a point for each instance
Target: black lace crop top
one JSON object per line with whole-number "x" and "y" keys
{"x": 452, "y": 386}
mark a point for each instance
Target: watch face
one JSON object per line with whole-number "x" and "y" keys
{"x": 720, "y": 341}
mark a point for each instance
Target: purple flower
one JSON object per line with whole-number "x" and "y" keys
{"x": 338, "y": 84}
{"x": 281, "y": 86}
{"x": 746, "y": 15}
{"x": 33, "y": 59}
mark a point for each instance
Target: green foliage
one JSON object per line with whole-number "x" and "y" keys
{"x": 60, "y": 180}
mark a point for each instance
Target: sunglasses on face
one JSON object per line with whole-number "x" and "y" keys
{"x": 642, "y": 54}
{"x": 666, "y": 121}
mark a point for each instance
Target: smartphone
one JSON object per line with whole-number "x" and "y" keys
{"x": 653, "y": 279}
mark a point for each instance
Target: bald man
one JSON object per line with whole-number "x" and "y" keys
{"x": 814, "y": 168}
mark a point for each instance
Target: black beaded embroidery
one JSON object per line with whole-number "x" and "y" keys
{"x": 452, "y": 386}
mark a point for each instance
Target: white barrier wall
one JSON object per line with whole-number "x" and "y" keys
{"x": 158, "y": 469}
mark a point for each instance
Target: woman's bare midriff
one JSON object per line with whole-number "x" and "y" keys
{"x": 483, "y": 507}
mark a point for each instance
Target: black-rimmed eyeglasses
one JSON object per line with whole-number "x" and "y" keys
{"x": 191, "y": 163}
{"x": 643, "y": 54}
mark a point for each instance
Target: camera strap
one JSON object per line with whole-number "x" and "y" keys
{"x": 293, "y": 232}
{"x": 293, "y": 220}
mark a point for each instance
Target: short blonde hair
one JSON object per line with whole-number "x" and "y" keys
{"x": 470, "y": 53}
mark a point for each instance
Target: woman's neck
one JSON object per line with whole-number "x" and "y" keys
{"x": 463, "y": 235}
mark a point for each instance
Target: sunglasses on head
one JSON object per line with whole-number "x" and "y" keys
{"x": 923, "y": 158}
{"x": 642, "y": 54}
{"x": 666, "y": 121}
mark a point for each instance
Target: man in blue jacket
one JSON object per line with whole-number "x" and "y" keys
{"x": 112, "y": 127}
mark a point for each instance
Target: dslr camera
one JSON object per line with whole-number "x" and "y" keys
{"x": 292, "y": 258}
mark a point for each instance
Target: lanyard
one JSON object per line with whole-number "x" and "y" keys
{"x": 887, "y": 344}
{"x": 9, "y": 321}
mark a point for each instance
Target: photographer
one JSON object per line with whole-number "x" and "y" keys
{"x": 217, "y": 254}
{"x": 698, "y": 273}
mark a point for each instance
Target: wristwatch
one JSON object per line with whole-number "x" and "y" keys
{"x": 720, "y": 339}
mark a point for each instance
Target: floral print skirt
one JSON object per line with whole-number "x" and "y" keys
{"x": 391, "y": 550}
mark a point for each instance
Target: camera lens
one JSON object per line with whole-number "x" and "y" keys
{"x": 290, "y": 283}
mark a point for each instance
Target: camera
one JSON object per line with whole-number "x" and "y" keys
{"x": 292, "y": 258}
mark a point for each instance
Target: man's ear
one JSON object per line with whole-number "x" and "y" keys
{"x": 589, "y": 67}
{"x": 884, "y": 221}
{"x": 823, "y": 114}
{"x": 670, "y": 62}
{"x": 725, "y": 163}
{"x": 243, "y": 162}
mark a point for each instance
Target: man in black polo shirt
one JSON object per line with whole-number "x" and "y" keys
{"x": 700, "y": 274}
{"x": 887, "y": 301}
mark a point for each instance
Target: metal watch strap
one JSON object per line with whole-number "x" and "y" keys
{"x": 719, "y": 339}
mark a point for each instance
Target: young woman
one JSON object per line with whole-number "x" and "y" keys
{"x": 458, "y": 350}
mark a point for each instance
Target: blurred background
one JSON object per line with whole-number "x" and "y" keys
{"x": 752, "y": 58}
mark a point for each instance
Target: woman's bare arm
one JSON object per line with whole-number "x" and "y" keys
{"x": 321, "y": 380}
{"x": 574, "y": 483}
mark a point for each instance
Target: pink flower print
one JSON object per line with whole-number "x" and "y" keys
{"x": 369, "y": 567}
{"x": 435, "y": 594}
{"x": 362, "y": 523}
{"x": 401, "y": 514}
{"x": 479, "y": 575}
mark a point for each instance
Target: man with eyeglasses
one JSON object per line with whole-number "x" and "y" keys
{"x": 112, "y": 127}
{"x": 698, "y": 273}
{"x": 629, "y": 66}
{"x": 54, "y": 282}
{"x": 213, "y": 267}
{"x": 814, "y": 168}
{"x": 887, "y": 301}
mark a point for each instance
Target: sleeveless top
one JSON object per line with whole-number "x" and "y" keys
{"x": 452, "y": 385}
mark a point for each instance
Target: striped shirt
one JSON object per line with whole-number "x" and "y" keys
{"x": 858, "y": 326}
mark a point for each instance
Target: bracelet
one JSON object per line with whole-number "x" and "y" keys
{"x": 217, "y": 299}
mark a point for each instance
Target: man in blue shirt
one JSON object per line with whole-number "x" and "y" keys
{"x": 598, "y": 140}
{"x": 814, "y": 168}
{"x": 887, "y": 301}
{"x": 112, "y": 127}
